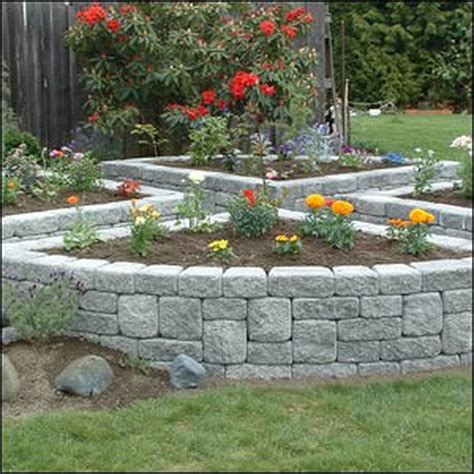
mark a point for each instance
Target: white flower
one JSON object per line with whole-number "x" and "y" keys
{"x": 464, "y": 142}
{"x": 418, "y": 150}
{"x": 139, "y": 220}
{"x": 430, "y": 153}
{"x": 196, "y": 177}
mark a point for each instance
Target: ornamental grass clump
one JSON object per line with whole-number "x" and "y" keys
{"x": 252, "y": 214}
{"x": 412, "y": 234}
{"x": 220, "y": 250}
{"x": 288, "y": 245}
{"x": 82, "y": 234}
{"x": 145, "y": 228}
{"x": 329, "y": 220}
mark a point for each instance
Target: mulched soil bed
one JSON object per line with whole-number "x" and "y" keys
{"x": 293, "y": 169}
{"x": 454, "y": 198}
{"x": 28, "y": 203}
{"x": 38, "y": 364}
{"x": 186, "y": 249}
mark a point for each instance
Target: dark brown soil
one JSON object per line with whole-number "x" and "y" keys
{"x": 454, "y": 198}
{"x": 28, "y": 203}
{"x": 186, "y": 249}
{"x": 38, "y": 364}
{"x": 287, "y": 169}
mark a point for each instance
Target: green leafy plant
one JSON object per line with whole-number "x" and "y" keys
{"x": 47, "y": 188}
{"x": 209, "y": 137}
{"x": 150, "y": 136}
{"x": 465, "y": 173}
{"x": 285, "y": 245}
{"x": 82, "y": 234}
{"x": 252, "y": 214}
{"x": 42, "y": 311}
{"x": 20, "y": 165}
{"x": 11, "y": 188}
{"x": 413, "y": 234}
{"x": 329, "y": 220}
{"x": 145, "y": 228}
{"x": 191, "y": 208}
{"x": 136, "y": 363}
{"x": 426, "y": 170}
{"x": 220, "y": 250}
{"x": 350, "y": 160}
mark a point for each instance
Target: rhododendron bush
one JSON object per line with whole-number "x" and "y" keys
{"x": 172, "y": 63}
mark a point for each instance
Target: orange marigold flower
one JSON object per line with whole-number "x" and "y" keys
{"x": 73, "y": 200}
{"x": 420, "y": 216}
{"x": 343, "y": 208}
{"x": 315, "y": 201}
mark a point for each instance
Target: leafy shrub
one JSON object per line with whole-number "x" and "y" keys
{"x": 20, "y": 165}
{"x": 42, "y": 311}
{"x": 14, "y": 137}
{"x": 209, "y": 137}
{"x": 11, "y": 187}
{"x": 252, "y": 214}
{"x": 465, "y": 173}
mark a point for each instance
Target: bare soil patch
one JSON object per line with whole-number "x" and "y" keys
{"x": 38, "y": 364}
{"x": 28, "y": 203}
{"x": 455, "y": 198}
{"x": 188, "y": 249}
{"x": 286, "y": 169}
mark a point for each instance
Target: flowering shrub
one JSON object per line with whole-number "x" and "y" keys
{"x": 21, "y": 166}
{"x": 82, "y": 234}
{"x": 75, "y": 171}
{"x": 209, "y": 58}
{"x": 464, "y": 142}
{"x": 329, "y": 220}
{"x": 145, "y": 227}
{"x": 412, "y": 234}
{"x": 209, "y": 137}
{"x": 252, "y": 214}
{"x": 285, "y": 245}
{"x": 11, "y": 187}
{"x": 220, "y": 249}
{"x": 426, "y": 169}
{"x": 129, "y": 188}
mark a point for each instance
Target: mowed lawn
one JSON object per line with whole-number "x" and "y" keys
{"x": 403, "y": 133}
{"x": 402, "y": 425}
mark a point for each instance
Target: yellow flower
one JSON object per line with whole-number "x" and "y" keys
{"x": 294, "y": 238}
{"x": 11, "y": 185}
{"x": 343, "y": 208}
{"x": 147, "y": 208}
{"x": 282, "y": 238}
{"x": 315, "y": 201}
{"x": 155, "y": 215}
{"x": 218, "y": 245}
{"x": 420, "y": 216}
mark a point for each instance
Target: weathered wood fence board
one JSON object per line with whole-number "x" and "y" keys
{"x": 44, "y": 74}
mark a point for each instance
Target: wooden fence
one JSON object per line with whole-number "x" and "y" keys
{"x": 44, "y": 74}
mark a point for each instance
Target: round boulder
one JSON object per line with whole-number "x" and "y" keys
{"x": 10, "y": 380}
{"x": 186, "y": 372}
{"x": 87, "y": 376}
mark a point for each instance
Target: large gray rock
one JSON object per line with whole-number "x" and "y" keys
{"x": 86, "y": 376}
{"x": 186, "y": 372}
{"x": 10, "y": 380}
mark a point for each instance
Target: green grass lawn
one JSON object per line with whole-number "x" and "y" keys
{"x": 403, "y": 133}
{"x": 410, "y": 425}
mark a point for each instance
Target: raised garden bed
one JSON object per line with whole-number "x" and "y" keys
{"x": 187, "y": 249}
{"x": 285, "y": 169}
{"x": 28, "y": 203}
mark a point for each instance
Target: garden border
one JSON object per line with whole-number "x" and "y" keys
{"x": 221, "y": 186}
{"x": 290, "y": 322}
{"x": 45, "y": 223}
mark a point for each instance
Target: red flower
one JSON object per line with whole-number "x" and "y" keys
{"x": 308, "y": 18}
{"x": 113, "y": 25}
{"x": 289, "y": 31}
{"x": 93, "y": 118}
{"x": 129, "y": 188}
{"x": 124, "y": 9}
{"x": 250, "y": 196}
{"x": 246, "y": 36}
{"x": 330, "y": 202}
{"x": 293, "y": 15}
{"x": 221, "y": 105}
{"x": 267, "y": 27}
{"x": 92, "y": 14}
{"x": 268, "y": 90}
{"x": 241, "y": 82}
{"x": 202, "y": 111}
{"x": 208, "y": 97}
